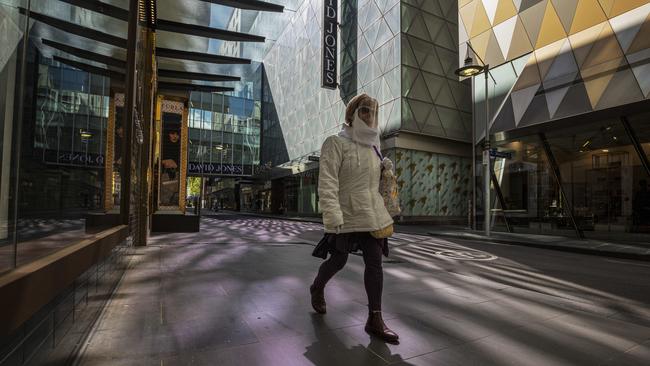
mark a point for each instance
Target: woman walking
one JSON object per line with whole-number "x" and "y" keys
{"x": 348, "y": 186}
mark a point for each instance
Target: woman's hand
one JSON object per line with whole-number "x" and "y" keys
{"x": 387, "y": 164}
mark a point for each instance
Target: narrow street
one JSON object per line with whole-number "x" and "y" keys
{"x": 236, "y": 294}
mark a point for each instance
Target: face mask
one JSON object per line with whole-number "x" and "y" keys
{"x": 361, "y": 133}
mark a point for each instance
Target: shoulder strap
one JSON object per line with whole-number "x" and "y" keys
{"x": 378, "y": 153}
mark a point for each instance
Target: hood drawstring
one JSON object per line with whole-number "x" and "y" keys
{"x": 356, "y": 144}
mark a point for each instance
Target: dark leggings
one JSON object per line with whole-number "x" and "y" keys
{"x": 373, "y": 277}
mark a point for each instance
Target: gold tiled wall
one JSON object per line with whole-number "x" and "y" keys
{"x": 579, "y": 55}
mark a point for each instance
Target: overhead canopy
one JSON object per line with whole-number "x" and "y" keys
{"x": 249, "y": 5}
{"x": 198, "y": 41}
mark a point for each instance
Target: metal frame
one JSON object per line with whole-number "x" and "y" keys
{"x": 78, "y": 29}
{"x": 200, "y": 57}
{"x": 107, "y": 60}
{"x": 195, "y": 76}
{"x": 558, "y": 180}
{"x": 249, "y": 5}
{"x": 91, "y": 69}
{"x": 101, "y": 8}
{"x": 208, "y": 32}
{"x": 637, "y": 145}
{"x": 502, "y": 201}
{"x": 193, "y": 87}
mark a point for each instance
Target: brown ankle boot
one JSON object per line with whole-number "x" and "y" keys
{"x": 318, "y": 300}
{"x": 377, "y": 327}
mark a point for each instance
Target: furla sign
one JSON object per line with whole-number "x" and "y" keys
{"x": 330, "y": 44}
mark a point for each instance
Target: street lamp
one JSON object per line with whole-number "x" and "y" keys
{"x": 470, "y": 69}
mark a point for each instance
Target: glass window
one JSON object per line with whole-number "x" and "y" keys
{"x": 531, "y": 196}
{"x": 605, "y": 186}
{"x": 53, "y": 174}
{"x": 229, "y": 133}
{"x": 640, "y": 123}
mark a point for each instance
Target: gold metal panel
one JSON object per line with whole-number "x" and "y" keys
{"x": 505, "y": 10}
{"x": 157, "y": 140}
{"x": 588, "y": 13}
{"x": 481, "y": 22}
{"x": 642, "y": 40}
{"x": 606, "y": 48}
{"x": 183, "y": 169}
{"x": 493, "y": 55}
{"x": 622, "y": 6}
{"x": 530, "y": 75}
{"x": 480, "y": 44}
{"x": 583, "y": 42}
{"x": 551, "y": 29}
{"x": 566, "y": 9}
{"x": 532, "y": 19}
{"x": 108, "y": 161}
{"x": 520, "y": 43}
{"x": 607, "y": 6}
{"x": 467, "y": 12}
{"x": 597, "y": 79}
{"x": 546, "y": 55}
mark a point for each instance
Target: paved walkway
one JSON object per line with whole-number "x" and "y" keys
{"x": 628, "y": 250}
{"x": 236, "y": 294}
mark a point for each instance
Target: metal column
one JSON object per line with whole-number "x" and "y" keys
{"x": 486, "y": 158}
{"x": 558, "y": 179}
{"x": 127, "y": 141}
{"x": 502, "y": 201}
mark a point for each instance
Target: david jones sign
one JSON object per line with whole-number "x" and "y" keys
{"x": 330, "y": 44}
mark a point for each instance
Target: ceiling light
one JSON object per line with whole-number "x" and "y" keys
{"x": 85, "y": 135}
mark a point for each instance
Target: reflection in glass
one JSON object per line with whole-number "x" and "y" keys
{"x": 606, "y": 185}
{"x": 532, "y": 197}
{"x": 224, "y": 134}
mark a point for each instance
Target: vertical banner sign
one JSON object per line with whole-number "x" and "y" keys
{"x": 330, "y": 44}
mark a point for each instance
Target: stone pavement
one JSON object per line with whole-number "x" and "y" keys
{"x": 610, "y": 248}
{"x": 236, "y": 294}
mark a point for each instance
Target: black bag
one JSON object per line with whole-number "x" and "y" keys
{"x": 322, "y": 248}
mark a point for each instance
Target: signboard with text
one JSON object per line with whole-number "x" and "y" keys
{"x": 330, "y": 44}
{"x": 73, "y": 158}
{"x": 218, "y": 169}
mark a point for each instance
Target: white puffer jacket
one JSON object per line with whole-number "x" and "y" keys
{"x": 348, "y": 186}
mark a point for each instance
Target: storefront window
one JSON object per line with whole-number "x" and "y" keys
{"x": 532, "y": 200}
{"x": 54, "y": 139}
{"x": 604, "y": 183}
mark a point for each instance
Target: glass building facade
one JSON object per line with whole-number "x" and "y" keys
{"x": 224, "y": 134}
{"x": 53, "y": 161}
{"x": 403, "y": 53}
{"x": 567, "y": 97}
{"x": 603, "y": 186}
